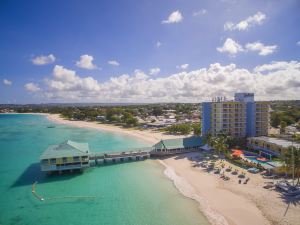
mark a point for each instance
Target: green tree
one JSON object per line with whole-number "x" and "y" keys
{"x": 196, "y": 128}
{"x": 132, "y": 121}
{"x": 180, "y": 129}
{"x": 275, "y": 119}
{"x": 283, "y": 125}
{"x": 126, "y": 116}
{"x": 291, "y": 160}
{"x": 220, "y": 143}
{"x": 157, "y": 111}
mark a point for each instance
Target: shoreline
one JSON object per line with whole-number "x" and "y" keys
{"x": 227, "y": 202}
{"x": 221, "y": 202}
{"x": 148, "y": 136}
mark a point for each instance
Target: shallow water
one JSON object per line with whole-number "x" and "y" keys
{"x": 129, "y": 193}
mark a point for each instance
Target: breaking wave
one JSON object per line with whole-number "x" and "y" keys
{"x": 188, "y": 191}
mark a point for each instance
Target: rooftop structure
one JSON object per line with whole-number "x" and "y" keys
{"x": 241, "y": 117}
{"x": 178, "y": 145}
{"x": 68, "y": 155}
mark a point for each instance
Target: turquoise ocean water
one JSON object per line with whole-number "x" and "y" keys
{"x": 127, "y": 194}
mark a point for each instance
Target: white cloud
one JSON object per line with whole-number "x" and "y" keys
{"x": 113, "y": 63}
{"x": 31, "y": 87}
{"x": 43, "y": 59}
{"x": 7, "y": 82}
{"x": 230, "y": 46}
{"x": 261, "y": 48}
{"x": 276, "y": 66}
{"x": 158, "y": 44}
{"x": 183, "y": 66}
{"x": 251, "y": 21}
{"x": 200, "y": 12}
{"x": 154, "y": 71}
{"x": 277, "y": 80}
{"x": 86, "y": 62}
{"x": 65, "y": 79}
{"x": 174, "y": 17}
{"x": 298, "y": 43}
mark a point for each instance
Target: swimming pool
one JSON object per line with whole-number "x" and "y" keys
{"x": 254, "y": 160}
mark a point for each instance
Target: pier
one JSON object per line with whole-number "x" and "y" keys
{"x": 118, "y": 157}
{"x": 73, "y": 156}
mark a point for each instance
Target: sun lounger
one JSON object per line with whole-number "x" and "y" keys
{"x": 253, "y": 170}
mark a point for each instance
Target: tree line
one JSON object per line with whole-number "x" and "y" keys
{"x": 185, "y": 128}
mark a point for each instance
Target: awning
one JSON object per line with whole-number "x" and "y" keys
{"x": 237, "y": 152}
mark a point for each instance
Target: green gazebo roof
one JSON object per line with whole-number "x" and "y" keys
{"x": 66, "y": 149}
{"x": 179, "y": 143}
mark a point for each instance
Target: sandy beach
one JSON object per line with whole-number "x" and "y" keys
{"x": 149, "y": 136}
{"x": 223, "y": 202}
{"x": 228, "y": 202}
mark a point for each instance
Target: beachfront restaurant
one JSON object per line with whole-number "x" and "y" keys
{"x": 67, "y": 156}
{"x": 176, "y": 146}
{"x": 269, "y": 146}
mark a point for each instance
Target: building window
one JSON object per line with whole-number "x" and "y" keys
{"x": 76, "y": 158}
{"x": 45, "y": 161}
{"x": 52, "y": 161}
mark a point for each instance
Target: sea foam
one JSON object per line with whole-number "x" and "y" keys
{"x": 188, "y": 191}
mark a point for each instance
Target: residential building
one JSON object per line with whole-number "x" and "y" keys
{"x": 68, "y": 155}
{"x": 241, "y": 117}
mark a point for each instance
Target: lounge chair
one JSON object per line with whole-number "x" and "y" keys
{"x": 241, "y": 175}
{"x": 226, "y": 178}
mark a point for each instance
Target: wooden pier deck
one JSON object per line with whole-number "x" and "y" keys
{"x": 100, "y": 158}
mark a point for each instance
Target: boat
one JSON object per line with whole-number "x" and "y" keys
{"x": 270, "y": 176}
{"x": 293, "y": 193}
{"x": 268, "y": 186}
{"x": 51, "y": 126}
{"x": 284, "y": 186}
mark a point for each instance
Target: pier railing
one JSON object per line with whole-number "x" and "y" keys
{"x": 98, "y": 158}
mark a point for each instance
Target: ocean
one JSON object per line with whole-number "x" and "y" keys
{"x": 136, "y": 193}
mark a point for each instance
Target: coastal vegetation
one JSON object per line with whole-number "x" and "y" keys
{"x": 185, "y": 128}
{"x": 138, "y": 115}
{"x": 285, "y": 113}
{"x": 291, "y": 163}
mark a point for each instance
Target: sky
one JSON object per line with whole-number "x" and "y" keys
{"x": 136, "y": 51}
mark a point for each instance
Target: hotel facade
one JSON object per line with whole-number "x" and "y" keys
{"x": 270, "y": 146}
{"x": 241, "y": 117}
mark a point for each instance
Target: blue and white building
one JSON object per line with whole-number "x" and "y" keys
{"x": 241, "y": 117}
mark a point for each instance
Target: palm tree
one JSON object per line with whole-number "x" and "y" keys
{"x": 220, "y": 143}
{"x": 291, "y": 160}
{"x": 208, "y": 139}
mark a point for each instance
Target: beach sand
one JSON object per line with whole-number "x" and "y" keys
{"x": 245, "y": 204}
{"x": 149, "y": 136}
{"x": 223, "y": 202}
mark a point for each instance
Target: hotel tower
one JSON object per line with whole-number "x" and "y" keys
{"x": 242, "y": 117}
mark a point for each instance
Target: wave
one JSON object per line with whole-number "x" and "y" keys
{"x": 188, "y": 191}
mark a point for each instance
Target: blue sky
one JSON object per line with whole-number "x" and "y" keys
{"x": 196, "y": 49}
